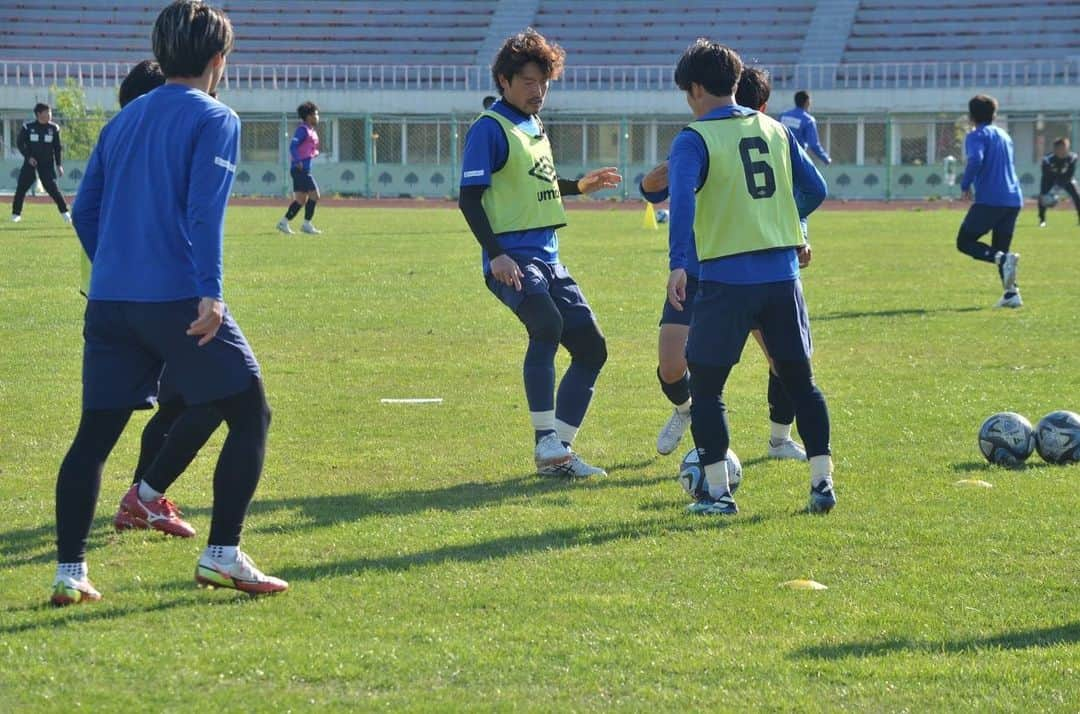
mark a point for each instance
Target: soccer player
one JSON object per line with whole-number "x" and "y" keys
{"x": 184, "y": 429}
{"x": 150, "y": 214}
{"x": 734, "y": 174}
{"x": 803, "y": 126}
{"x": 511, "y": 197}
{"x": 302, "y": 149}
{"x": 998, "y": 199}
{"x": 753, "y": 92}
{"x": 1058, "y": 169}
{"x": 39, "y": 143}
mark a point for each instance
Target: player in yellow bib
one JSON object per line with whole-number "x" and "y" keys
{"x": 511, "y": 197}
{"x": 734, "y": 174}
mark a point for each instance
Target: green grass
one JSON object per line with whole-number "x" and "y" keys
{"x": 431, "y": 570}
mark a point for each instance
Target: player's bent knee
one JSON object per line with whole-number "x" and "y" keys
{"x": 587, "y": 346}
{"x": 671, "y": 372}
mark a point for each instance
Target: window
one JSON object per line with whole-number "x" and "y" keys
{"x": 842, "y": 138}
{"x": 386, "y": 137}
{"x": 428, "y": 142}
{"x": 352, "y": 139}
{"x": 565, "y": 140}
{"x": 603, "y": 144}
{"x": 873, "y": 143}
{"x": 912, "y": 137}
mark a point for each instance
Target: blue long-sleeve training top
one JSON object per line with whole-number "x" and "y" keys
{"x": 687, "y": 169}
{"x": 990, "y": 167}
{"x": 150, "y": 211}
{"x": 803, "y": 125}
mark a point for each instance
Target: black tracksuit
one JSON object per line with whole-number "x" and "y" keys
{"x": 1058, "y": 172}
{"x": 40, "y": 142}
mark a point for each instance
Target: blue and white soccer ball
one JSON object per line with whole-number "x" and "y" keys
{"x": 692, "y": 476}
{"x": 1057, "y": 437}
{"x": 1006, "y": 439}
{"x": 662, "y": 215}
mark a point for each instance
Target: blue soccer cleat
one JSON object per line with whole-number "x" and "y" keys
{"x": 707, "y": 506}
{"x": 822, "y": 497}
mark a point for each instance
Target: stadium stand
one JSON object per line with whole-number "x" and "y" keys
{"x": 963, "y": 30}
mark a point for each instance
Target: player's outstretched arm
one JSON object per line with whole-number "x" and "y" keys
{"x": 599, "y": 179}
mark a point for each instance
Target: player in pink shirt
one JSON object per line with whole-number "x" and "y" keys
{"x": 303, "y": 148}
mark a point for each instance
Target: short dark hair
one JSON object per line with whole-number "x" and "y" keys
{"x": 1061, "y": 141}
{"x": 982, "y": 108}
{"x": 143, "y": 77}
{"x": 488, "y": 101}
{"x": 187, "y": 34}
{"x": 802, "y": 98}
{"x": 41, "y": 107}
{"x": 712, "y": 65}
{"x": 306, "y": 109}
{"x": 523, "y": 48}
{"x": 754, "y": 88}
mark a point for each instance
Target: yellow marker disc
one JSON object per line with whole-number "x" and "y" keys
{"x": 804, "y": 585}
{"x": 974, "y": 482}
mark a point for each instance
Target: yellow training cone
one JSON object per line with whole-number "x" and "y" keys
{"x": 649, "y": 219}
{"x": 974, "y": 482}
{"x": 803, "y": 585}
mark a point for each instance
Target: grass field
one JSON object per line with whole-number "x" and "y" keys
{"x": 431, "y": 570}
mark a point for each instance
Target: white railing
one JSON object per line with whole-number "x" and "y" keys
{"x": 883, "y": 75}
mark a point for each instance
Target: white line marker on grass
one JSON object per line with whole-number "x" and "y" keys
{"x": 975, "y": 482}
{"x": 419, "y": 400}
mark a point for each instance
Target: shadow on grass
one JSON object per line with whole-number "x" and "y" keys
{"x": 35, "y": 545}
{"x": 1016, "y": 640}
{"x": 985, "y": 467}
{"x": 515, "y": 545}
{"x": 903, "y": 312}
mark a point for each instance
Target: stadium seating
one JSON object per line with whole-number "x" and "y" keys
{"x": 963, "y": 30}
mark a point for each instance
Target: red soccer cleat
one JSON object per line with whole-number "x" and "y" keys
{"x": 160, "y": 514}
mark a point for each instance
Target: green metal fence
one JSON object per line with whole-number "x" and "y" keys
{"x": 882, "y": 156}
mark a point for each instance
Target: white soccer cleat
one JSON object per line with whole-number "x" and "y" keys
{"x": 284, "y": 227}
{"x": 673, "y": 432}
{"x": 787, "y": 449}
{"x": 241, "y": 574}
{"x": 309, "y": 227}
{"x": 1008, "y": 271}
{"x": 574, "y": 468}
{"x": 15, "y": 218}
{"x": 1010, "y": 301}
{"x": 551, "y": 452}
{"x": 1042, "y": 224}
{"x": 66, "y": 215}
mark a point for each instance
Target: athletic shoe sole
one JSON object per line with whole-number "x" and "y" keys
{"x": 209, "y": 578}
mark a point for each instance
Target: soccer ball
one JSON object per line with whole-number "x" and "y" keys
{"x": 661, "y": 215}
{"x": 692, "y": 476}
{"x": 1057, "y": 437}
{"x": 1048, "y": 200}
{"x": 1006, "y": 439}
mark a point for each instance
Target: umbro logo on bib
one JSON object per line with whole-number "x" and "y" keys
{"x": 543, "y": 170}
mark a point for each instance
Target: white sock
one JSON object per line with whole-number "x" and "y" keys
{"x": 565, "y": 431}
{"x": 779, "y": 433}
{"x": 75, "y": 571}
{"x": 222, "y": 553}
{"x": 820, "y": 469}
{"x": 684, "y": 408}
{"x": 716, "y": 475}
{"x": 147, "y": 494}
{"x": 543, "y": 421}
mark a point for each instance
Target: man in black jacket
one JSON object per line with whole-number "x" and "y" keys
{"x": 39, "y": 143}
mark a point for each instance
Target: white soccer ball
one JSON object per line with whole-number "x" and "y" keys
{"x": 1057, "y": 437}
{"x": 1048, "y": 200}
{"x": 692, "y": 476}
{"x": 1006, "y": 439}
{"x": 662, "y": 215}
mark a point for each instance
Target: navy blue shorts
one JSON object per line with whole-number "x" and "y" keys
{"x": 128, "y": 343}
{"x": 982, "y": 219}
{"x": 670, "y": 316}
{"x": 724, "y": 315}
{"x": 302, "y": 181}
{"x": 553, "y": 279}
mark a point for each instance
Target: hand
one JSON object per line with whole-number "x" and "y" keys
{"x": 60, "y": 170}
{"x": 607, "y": 177}
{"x": 299, "y": 166}
{"x": 506, "y": 271}
{"x": 805, "y": 255}
{"x": 676, "y": 288}
{"x": 657, "y": 179}
{"x": 965, "y": 195}
{"x": 33, "y": 161}
{"x": 205, "y": 326}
